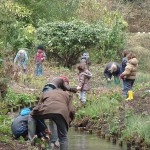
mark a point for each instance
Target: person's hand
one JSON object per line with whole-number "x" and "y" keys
{"x": 78, "y": 88}
{"x": 121, "y": 76}
{"x": 74, "y": 90}
{"x": 108, "y": 79}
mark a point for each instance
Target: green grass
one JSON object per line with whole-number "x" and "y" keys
{"x": 137, "y": 127}
{"x": 100, "y": 105}
{"x": 142, "y": 81}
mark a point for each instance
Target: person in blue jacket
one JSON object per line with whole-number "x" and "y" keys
{"x": 22, "y": 59}
{"x": 19, "y": 125}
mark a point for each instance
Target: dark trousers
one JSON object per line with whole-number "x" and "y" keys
{"x": 127, "y": 86}
{"x": 62, "y": 127}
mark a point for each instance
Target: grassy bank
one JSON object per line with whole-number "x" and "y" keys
{"x": 105, "y": 112}
{"x": 108, "y": 113}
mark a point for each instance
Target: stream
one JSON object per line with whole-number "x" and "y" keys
{"x": 82, "y": 141}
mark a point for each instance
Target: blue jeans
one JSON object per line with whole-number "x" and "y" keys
{"x": 38, "y": 70}
{"x": 127, "y": 86}
{"x": 82, "y": 96}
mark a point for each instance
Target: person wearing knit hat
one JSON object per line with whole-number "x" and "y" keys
{"x": 39, "y": 59}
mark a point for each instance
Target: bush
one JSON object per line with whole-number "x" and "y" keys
{"x": 13, "y": 99}
{"x": 66, "y": 41}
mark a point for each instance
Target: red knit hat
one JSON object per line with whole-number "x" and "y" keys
{"x": 64, "y": 78}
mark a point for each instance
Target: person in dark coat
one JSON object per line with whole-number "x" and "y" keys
{"x": 61, "y": 82}
{"x": 112, "y": 69}
{"x": 124, "y": 60}
{"x": 56, "y": 105}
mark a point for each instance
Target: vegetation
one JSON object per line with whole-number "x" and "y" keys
{"x": 68, "y": 40}
{"x": 67, "y": 28}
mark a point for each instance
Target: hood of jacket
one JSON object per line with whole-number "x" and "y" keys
{"x": 133, "y": 61}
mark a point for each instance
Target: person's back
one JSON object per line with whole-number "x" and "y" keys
{"x": 61, "y": 82}
{"x": 56, "y": 101}
{"x": 19, "y": 126}
{"x": 22, "y": 59}
{"x": 21, "y": 56}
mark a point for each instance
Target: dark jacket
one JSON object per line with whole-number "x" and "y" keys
{"x": 84, "y": 78}
{"x": 54, "y": 102}
{"x": 108, "y": 73}
{"x": 124, "y": 64}
{"x": 20, "y": 125}
{"x": 61, "y": 84}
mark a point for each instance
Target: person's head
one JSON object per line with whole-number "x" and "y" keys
{"x": 113, "y": 68}
{"x": 81, "y": 67}
{"x": 131, "y": 55}
{"x": 85, "y": 54}
{"x": 125, "y": 53}
{"x": 22, "y": 51}
{"x": 40, "y": 47}
{"x": 66, "y": 79}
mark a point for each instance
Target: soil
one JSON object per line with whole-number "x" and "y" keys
{"x": 13, "y": 145}
{"x": 141, "y": 102}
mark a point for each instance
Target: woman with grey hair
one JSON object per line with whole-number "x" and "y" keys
{"x": 112, "y": 69}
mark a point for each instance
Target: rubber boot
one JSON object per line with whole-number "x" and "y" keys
{"x": 63, "y": 146}
{"x": 130, "y": 96}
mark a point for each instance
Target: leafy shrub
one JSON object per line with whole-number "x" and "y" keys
{"x": 13, "y": 98}
{"x": 66, "y": 41}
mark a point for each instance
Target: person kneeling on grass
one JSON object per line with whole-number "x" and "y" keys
{"x": 19, "y": 126}
{"x": 55, "y": 105}
{"x": 129, "y": 75}
{"x": 83, "y": 85}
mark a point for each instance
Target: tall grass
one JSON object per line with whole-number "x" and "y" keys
{"x": 137, "y": 127}
{"x": 100, "y": 105}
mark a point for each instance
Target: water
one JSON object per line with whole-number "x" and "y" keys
{"x": 82, "y": 141}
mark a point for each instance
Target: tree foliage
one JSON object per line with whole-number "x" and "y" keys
{"x": 66, "y": 41}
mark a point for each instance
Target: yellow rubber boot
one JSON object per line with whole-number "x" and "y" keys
{"x": 130, "y": 96}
